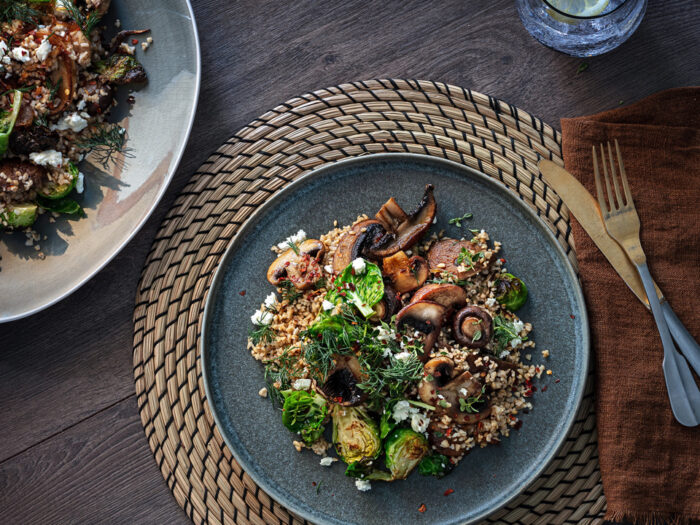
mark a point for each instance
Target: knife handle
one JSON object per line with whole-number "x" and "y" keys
{"x": 686, "y": 344}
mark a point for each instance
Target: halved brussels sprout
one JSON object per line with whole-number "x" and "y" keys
{"x": 355, "y": 434}
{"x": 511, "y": 292}
{"x": 20, "y": 215}
{"x": 305, "y": 413}
{"x": 404, "y": 450}
{"x": 58, "y": 191}
{"x": 121, "y": 69}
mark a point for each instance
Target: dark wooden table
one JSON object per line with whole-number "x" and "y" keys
{"x": 72, "y": 448}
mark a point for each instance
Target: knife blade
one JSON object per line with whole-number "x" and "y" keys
{"x": 587, "y": 212}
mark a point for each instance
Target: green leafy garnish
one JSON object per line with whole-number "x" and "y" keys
{"x": 18, "y": 10}
{"x": 363, "y": 290}
{"x": 469, "y": 405}
{"x": 468, "y": 259}
{"x": 293, "y": 246}
{"x": 504, "y": 332}
{"x": 457, "y": 221}
{"x": 7, "y": 122}
{"x": 86, "y": 22}
{"x": 582, "y": 67}
{"x": 263, "y": 333}
{"x": 65, "y": 205}
{"x": 105, "y": 142}
{"x": 434, "y": 465}
{"x": 288, "y": 291}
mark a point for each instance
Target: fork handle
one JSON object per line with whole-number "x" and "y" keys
{"x": 682, "y": 391}
{"x": 686, "y": 344}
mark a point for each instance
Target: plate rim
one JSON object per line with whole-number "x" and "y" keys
{"x": 583, "y": 318}
{"x": 159, "y": 195}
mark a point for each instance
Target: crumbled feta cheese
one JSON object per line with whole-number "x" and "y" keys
{"x": 126, "y": 48}
{"x": 386, "y": 353}
{"x": 298, "y": 237}
{"x": 262, "y": 392}
{"x": 301, "y": 384}
{"x": 20, "y": 54}
{"x": 81, "y": 104}
{"x": 363, "y": 485}
{"x": 463, "y": 392}
{"x": 73, "y": 122}
{"x": 385, "y": 335}
{"x": 518, "y": 326}
{"x": 328, "y": 268}
{"x": 515, "y": 342}
{"x": 328, "y": 461}
{"x": 402, "y": 356}
{"x": 80, "y": 183}
{"x": 419, "y": 423}
{"x": 261, "y": 318}
{"x": 270, "y": 301}
{"x": 42, "y": 52}
{"x": 327, "y": 305}
{"x": 402, "y": 410}
{"x": 49, "y": 157}
{"x": 359, "y": 265}
{"x": 491, "y": 301}
{"x": 117, "y": 23}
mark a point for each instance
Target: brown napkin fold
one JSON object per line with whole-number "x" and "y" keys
{"x": 650, "y": 464}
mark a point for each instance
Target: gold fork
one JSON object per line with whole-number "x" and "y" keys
{"x": 622, "y": 222}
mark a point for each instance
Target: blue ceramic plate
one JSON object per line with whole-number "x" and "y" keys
{"x": 487, "y": 478}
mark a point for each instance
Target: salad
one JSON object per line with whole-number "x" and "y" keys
{"x": 57, "y": 85}
{"x": 404, "y": 342}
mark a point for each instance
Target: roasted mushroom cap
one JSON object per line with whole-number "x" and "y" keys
{"x": 405, "y": 273}
{"x": 65, "y": 76}
{"x": 443, "y": 390}
{"x": 403, "y": 230}
{"x": 473, "y": 327}
{"x": 388, "y": 306}
{"x": 426, "y": 317}
{"x": 444, "y": 255}
{"x": 353, "y": 243}
{"x": 341, "y": 385}
{"x": 301, "y": 269}
{"x": 448, "y": 295}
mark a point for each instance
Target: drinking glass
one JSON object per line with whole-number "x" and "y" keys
{"x": 581, "y": 28}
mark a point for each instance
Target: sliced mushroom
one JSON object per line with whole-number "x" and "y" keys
{"x": 404, "y": 230}
{"x": 405, "y": 273}
{"x": 341, "y": 386}
{"x": 301, "y": 269}
{"x": 65, "y": 77}
{"x": 352, "y": 243}
{"x": 388, "y": 306}
{"x": 444, "y": 254}
{"x": 426, "y": 317}
{"x": 473, "y": 327}
{"x": 26, "y": 115}
{"x": 448, "y": 295}
{"x": 442, "y": 389}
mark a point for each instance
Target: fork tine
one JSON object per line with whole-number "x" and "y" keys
{"x": 598, "y": 185}
{"x": 611, "y": 198}
{"x": 614, "y": 177}
{"x": 623, "y": 176}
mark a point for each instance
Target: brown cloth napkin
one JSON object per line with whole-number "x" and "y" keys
{"x": 650, "y": 464}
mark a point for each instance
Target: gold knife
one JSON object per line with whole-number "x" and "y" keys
{"x": 587, "y": 212}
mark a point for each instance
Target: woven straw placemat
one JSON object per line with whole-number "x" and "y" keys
{"x": 325, "y": 126}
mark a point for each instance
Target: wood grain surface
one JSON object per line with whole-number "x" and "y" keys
{"x": 72, "y": 448}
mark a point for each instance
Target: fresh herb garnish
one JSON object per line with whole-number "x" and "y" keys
{"x": 18, "y": 10}
{"x": 53, "y": 88}
{"x": 105, "y": 142}
{"x": 468, "y": 259}
{"x": 469, "y": 405}
{"x": 582, "y": 67}
{"x": 457, "y": 221}
{"x": 318, "y": 487}
{"x": 504, "y": 332}
{"x": 86, "y": 23}
{"x": 279, "y": 374}
{"x": 288, "y": 291}
{"x": 263, "y": 333}
{"x": 448, "y": 278}
{"x": 293, "y": 246}
{"x": 477, "y": 336}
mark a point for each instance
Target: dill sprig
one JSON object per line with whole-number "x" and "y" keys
{"x": 280, "y": 371}
{"x": 288, "y": 291}
{"x": 293, "y": 246}
{"x": 86, "y": 22}
{"x": 105, "y": 142}
{"x": 18, "y": 10}
{"x": 263, "y": 333}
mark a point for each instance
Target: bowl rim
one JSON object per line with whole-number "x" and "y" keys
{"x": 270, "y": 488}
{"x": 159, "y": 195}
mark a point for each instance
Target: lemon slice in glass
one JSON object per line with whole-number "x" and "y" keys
{"x": 580, "y": 7}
